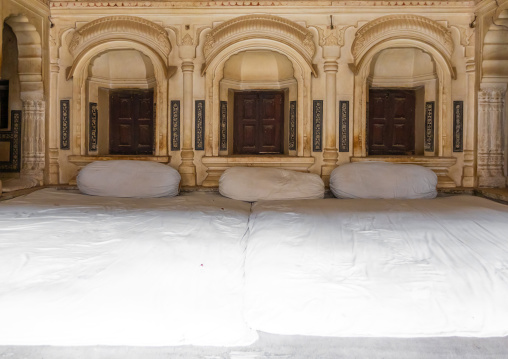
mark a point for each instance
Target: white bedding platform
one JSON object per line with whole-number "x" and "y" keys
{"x": 83, "y": 270}
{"x": 386, "y": 268}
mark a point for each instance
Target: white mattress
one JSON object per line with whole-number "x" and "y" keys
{"x": 83, "y": 270}
{"x": 397, "y": 268}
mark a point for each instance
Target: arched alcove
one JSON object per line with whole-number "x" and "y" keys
{"x": 276, "y": 40}
{"x": 120, "y": 81}
{"x": 101, "y": 44}
{"x": 413, "y": 33}
{"x": 263, "y": 80}
{"x": 402, "y": 74}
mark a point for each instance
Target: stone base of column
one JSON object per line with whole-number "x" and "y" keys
{"x": 490, "y": 170}
{"x": 468, "y": 179}
{"x": 468, "y": 174}
{"x": 330, "y": 157}
{"x": 187, "y": 169}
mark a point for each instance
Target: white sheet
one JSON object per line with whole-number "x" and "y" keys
{"x": 390, "y": 268}
{"x": 83, "y": 270}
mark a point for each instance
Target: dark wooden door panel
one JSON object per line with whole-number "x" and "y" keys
{"x": 258, "y": 122}
{"x": 131, "y": 124}
{"x": 391, "y": 122}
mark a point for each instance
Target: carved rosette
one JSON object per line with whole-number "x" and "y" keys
{"x": 262, "y": 27}
{"x": 400, "y": 26}
{"x": 121, "y": 27}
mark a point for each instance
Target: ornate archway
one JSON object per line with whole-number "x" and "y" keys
{"x": 406, "y": 31}
{"x": 118, "y": 33}
{"x": 32, "y": 97}
{"x": 257, "y": 33}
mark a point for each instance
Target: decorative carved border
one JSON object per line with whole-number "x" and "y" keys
{"x": 223, "y": 126}
{"x": 65, "y": 125}
{"x": 343, "y": 126}
{"x": 175, "y": 125}
{"x": 429, "y": 126}
{"x": 113, "y": 27}
{"x": 317, "y": 125}
{"x": 458, "y": 121}
{"x": 395, "y": 25}
{"x": 93, "y": 127}
{"x": 292, "y": 126}
{"x": 14, "y": 138}
{"x": 199, "y": 132}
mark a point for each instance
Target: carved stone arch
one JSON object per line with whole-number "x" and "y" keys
{"x": 29, "y": 57}
{"x": 113, "y": 29}
{"x": 80, "y": 75}
{"x": 411, "y": 27}
{"x": 268, "y": 27}
{"x": 444, "y": 105}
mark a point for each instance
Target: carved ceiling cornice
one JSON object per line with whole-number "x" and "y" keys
{"x": 90, "y": 4}
{"x": 400, "y": 26}
{"x": 121, "y": 28}
{"x": 260, "y": 27}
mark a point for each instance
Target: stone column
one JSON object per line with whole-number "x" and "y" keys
{"x": 33, "y": 140}
{"x": 330, "y": 153}
{"x": 54, "y": 167}
{"x": 490, "y": 135}
{"x": 187, "y": 169}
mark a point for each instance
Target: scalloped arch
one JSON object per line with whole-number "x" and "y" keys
{"x": 259, "y": 27}
{"x": 114, "y": 28}
{"x": 402, "y": 26}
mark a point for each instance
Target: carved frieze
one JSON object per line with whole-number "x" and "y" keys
{"x": 317, "y": 125}
{"x": 394, "y": 26}
{"x": 252, "y": 4}
{"x": 114, "y": 27}
{"x": 199, "y": 132}
{"x": 343, "y": 126}
{"x": 175, "y": 125}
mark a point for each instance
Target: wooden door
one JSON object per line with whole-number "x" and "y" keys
{"x": 4, "y": 104}
{"x": 258, "y": 122}
{"x": 391, "y": 128}
{"x": 131, "y": 130}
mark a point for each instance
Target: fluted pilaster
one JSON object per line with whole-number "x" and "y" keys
{"x": 330, "y": 153}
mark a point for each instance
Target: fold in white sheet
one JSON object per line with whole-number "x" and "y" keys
{"x": 83, "y": 270}
{"x": 388, "y": 268}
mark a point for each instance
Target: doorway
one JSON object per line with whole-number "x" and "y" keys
{"x": 391, "y": 127}
{"x": 131, "y": 124}
{"x": 258, "y": 122}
